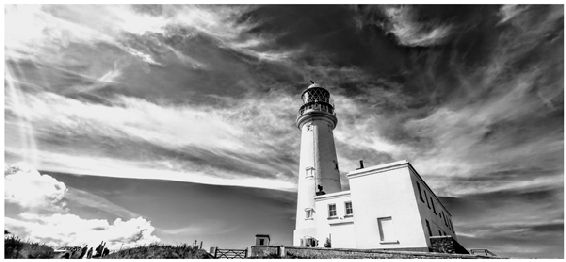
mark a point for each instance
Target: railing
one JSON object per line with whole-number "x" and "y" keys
{"x": 482, "y": 251}
{"x": 317, "y": 106}
{"x": 230, "y": 253}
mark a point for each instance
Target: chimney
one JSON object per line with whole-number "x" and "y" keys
{"x": 361, "y": 165}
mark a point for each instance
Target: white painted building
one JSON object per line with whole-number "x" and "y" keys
{"x": 388, "y": 206}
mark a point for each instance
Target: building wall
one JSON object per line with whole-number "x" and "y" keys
{"x": 386, "y": 191}
{"x": 324, "y": 159}
{"x": 341, "y": 235}
{"x": 317, "y": 154}
{"x": 306, "y": 188}
{"x": 446, "y": 244}
{"x": 431, "y": 209}
{"x": 391, "y": 207}
{"x": 340, "y": 229}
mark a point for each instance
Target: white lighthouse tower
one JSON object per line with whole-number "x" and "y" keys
{"x": 318, "y": 167}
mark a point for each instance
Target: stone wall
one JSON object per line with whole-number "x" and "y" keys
{"x": 446, "y": 244}
{"x": 330, "y": 253}
{"x": 265, "y": 251}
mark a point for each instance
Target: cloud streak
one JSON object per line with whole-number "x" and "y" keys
{"x": 414, "y": 33}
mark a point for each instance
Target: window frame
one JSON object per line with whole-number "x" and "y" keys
{"x": 383, "y": 239}
{"x": 346, "y": 214}
{"x": 433, "y": 207}
{"x": 309, "y": 213}
{"x": 335, "y": 210}
{"x": 420, "y": 191}
{"x": 309, "y": 172}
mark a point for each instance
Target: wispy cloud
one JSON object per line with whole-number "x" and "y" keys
{"x": 80, "y": 199}
{"x": 51, "y": 28}
{"x": 414, "y": 33}
{"x": 225, "y": 134}
{"x": 206, "y": 228}
{"x": 509, "y": 11}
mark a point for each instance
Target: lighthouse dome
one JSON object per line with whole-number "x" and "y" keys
{"x": 313, "y": 85}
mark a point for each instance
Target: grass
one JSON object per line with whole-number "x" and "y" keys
{"x": 16, "y": 248}
{"x": 157, "y": 251}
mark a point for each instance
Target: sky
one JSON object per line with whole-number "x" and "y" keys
{"x": 137, "y": 124}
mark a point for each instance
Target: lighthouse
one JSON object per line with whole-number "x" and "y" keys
{"x": 318, "y": 168}
{"x": 388, "y": 205}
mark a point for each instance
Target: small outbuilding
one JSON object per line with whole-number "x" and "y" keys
{"x": 262, "y": 240}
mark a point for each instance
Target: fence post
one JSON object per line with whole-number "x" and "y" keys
{"x": 246, "y": 253}
{"x": 215, "y": 251}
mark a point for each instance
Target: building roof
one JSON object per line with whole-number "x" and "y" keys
{"x": 332, "y": 195}
{"x": 375, "y": 168}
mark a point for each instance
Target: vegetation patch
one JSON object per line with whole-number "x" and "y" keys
{"x": 16, "y": 248}
{"x": 160, "y": 251}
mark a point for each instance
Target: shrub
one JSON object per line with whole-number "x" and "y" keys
{"x": 15, "y": 248}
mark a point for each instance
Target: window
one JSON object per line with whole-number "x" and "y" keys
{"x": 261, "y": 242}
{"x": 335, "y": 164}
{"x": 439, "y": 232}
{"x": 385, "y": 225}
{"x": 444, "y": 216}
{"x": 310, "y": 172}
{"x": 428, "y": 204}
{"x": 349, "y": 208}
{"x": 433, "y": 207}
{"x": 310, "y": 127}
{"x": 444, "y": 233}
{"x": 420, "y": 193}
{"x": 308, "y": 213}
{"x": 331, "y": 210}
{"x": 428, "y": 227}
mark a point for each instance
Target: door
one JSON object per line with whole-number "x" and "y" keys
{"x": 342, "y": 235}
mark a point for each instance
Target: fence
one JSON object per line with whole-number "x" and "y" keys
{"x": 229, "y": 253}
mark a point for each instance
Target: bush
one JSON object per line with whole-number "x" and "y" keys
{"x": 15, "y": 248}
